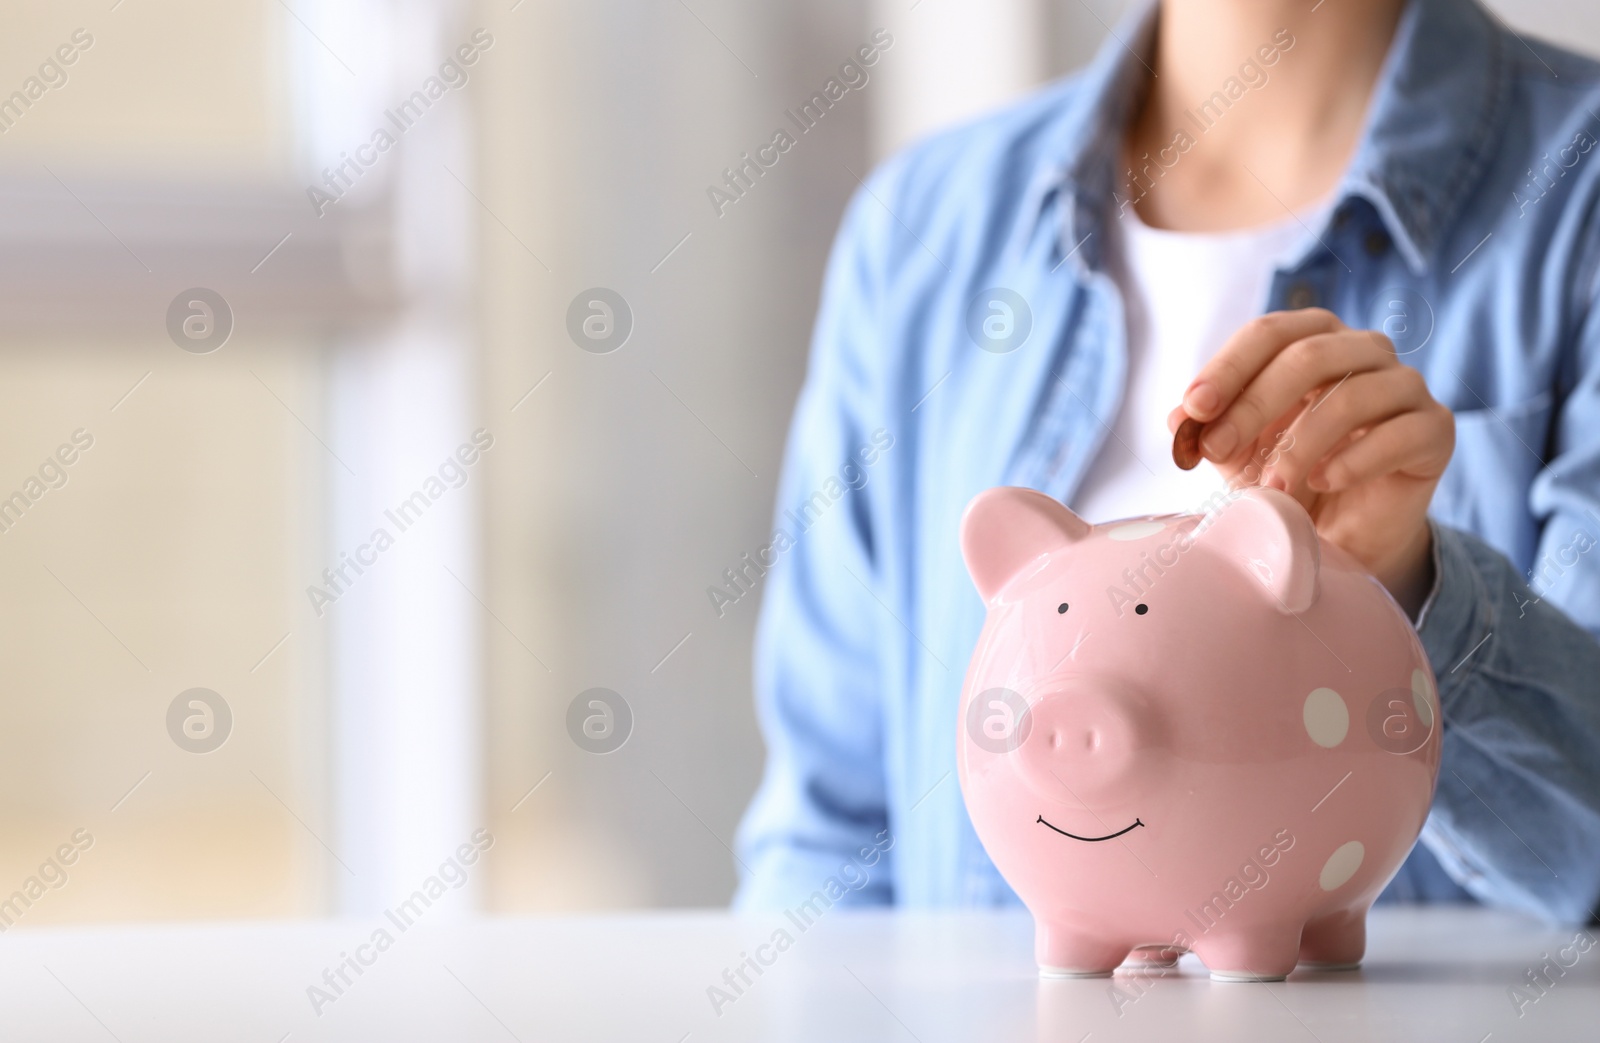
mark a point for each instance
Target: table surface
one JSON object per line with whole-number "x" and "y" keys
{"x": 1430, "y": 974}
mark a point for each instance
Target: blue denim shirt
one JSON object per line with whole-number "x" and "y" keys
{"x": 1464, "y": 227}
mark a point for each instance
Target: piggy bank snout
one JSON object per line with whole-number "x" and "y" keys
{"x": 1081, "y": 744}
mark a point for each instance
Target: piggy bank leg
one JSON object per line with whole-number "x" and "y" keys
{"x": 1067, "y": 952}
{"x": 1335, "y": 942}
{"x": 1257, "y": 953}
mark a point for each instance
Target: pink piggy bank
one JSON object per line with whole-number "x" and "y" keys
{"x": 1208, "y": 733}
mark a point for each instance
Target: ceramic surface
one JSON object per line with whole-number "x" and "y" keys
{"x": 1209, "y": 733}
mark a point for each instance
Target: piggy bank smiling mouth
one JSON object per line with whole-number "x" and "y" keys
{"x": 1092, "y": 840}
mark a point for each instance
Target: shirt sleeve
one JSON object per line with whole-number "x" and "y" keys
{"x": 1516, "y": 819}
{"x": 820, "y": 812}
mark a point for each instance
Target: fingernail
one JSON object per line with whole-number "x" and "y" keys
{"x": 1317, "y": 481}
{"x": 1202, "y": 400}
{"x": 1219, "y": 440}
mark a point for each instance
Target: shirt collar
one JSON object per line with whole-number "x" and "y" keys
{"x": 1435, "y": 112}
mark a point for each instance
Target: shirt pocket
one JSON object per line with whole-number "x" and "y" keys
{"x": 1484, "y": 491}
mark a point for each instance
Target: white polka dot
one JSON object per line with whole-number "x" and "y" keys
{"x": 1342, "y": 865}
{"x": 1422, "y": 696}
{"x": 1327, "y": 718}
{"x": 1136, "y": 530}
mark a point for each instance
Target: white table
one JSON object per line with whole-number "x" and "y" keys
{"x": 1430, "y": 975}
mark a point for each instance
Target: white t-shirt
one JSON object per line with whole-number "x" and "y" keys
{"x": 1185, "y": 294}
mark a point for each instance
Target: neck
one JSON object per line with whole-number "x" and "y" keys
{"x": 1273, "y": 94}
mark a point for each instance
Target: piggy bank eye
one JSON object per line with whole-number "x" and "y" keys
{"x": 1062, "y": 608}
{"x": 1141, "y": 608}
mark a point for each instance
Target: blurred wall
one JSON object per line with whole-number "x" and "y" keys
{"x": 630, "y": 480}
{"x": 165, "y": 555}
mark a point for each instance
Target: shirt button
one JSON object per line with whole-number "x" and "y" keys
{"x": 1301, "y": 295}
{"x": 1376, "y": 243}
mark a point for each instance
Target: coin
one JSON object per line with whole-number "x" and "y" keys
{"x": 1186, "y": 443}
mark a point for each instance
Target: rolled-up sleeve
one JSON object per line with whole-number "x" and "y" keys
{"x": 1516, "y": 820}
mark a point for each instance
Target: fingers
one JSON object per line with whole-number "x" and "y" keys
{"x": 1321, "y": 360}
{"x": 1416, "y": 444}
{"x": 1246, "y": 353}
{"x": 1362, "y": 401}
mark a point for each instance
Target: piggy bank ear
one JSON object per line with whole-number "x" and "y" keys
{"x": 1271, "y": 536}
{"x": 1004, "y": 529}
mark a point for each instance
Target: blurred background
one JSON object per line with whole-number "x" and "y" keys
{"x": 266, "y": 267}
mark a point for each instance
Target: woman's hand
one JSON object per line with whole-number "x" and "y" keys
{"x": 1298, "y": 401}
